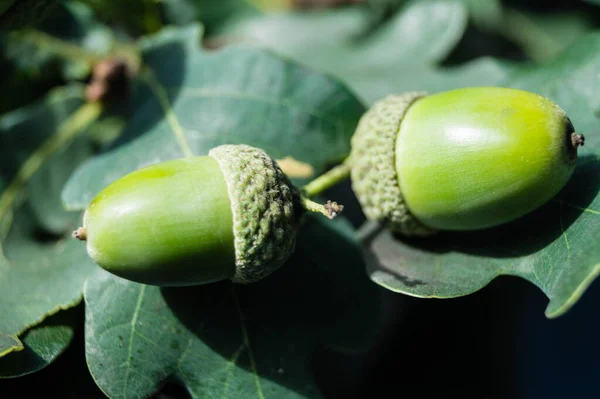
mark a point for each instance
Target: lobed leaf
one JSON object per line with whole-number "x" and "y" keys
{"x": 403, "y": 51}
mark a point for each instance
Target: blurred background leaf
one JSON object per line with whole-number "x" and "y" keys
{"x": 23, "y": 13}
{"x": 189, "y": 100}
{"x": 41, "y": 269}
{"x": 341, "y": 43}
{"x": 31, "y": 65}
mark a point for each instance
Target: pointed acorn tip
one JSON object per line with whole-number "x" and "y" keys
{"x": 333, "y": 209}
{"x": 80, "y": 234}
{"x": 577, "y": 140}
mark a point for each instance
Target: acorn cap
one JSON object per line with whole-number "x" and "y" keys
{"x": 265, "y": 210}
{"x": 373, "y": 174}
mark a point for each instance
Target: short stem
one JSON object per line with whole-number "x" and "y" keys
{"x": 577, "y": 140}
{"x": 328, "y": 179}
{"x": 330, "y": 209}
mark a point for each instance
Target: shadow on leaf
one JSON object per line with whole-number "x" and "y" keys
{"x": 537, "y": 247}
{"x": 274, "y": 325}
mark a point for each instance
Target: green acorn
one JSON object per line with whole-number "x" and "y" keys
{"x": 464, "y": 159}
{"x": 232, "y": 214}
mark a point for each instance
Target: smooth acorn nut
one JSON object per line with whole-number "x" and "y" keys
{"x": 231, "y": 214}
{"x": 465, "y": 159}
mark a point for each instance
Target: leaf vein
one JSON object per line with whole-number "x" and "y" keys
{"x": 229, "y": 368}
{"x": 131, "y": 334}
{"x": 207, "y": 93}
{"x": 246, "y": 341}
{"x": 160, "y": 93}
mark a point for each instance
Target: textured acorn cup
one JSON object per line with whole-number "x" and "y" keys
{"x": 464, "y": 159}
{"x": 231, "y": 214}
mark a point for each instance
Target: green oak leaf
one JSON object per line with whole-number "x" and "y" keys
{"x": 143, "y": 16}
{"x": 408, "y": 47}
{"x": 189, "y": 100}
{"x": 553, "y": 247}
{"x": 215, "y": 14}
{"x": 41, "y": 271}
{"x": 42, "y": 345}
{"x": 486, "y": 14}
{"x": 229, "y": 340}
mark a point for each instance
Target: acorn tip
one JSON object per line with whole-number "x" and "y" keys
{"x": 333, "y": 209}
{"x": 577, "y": 140}
{"x": 80, "y": 234}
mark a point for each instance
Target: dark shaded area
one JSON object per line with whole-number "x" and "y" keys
{"x": 547, "y": 6}
{"x": 25, "y": 83}
{"x": 172, "y": 390}
{"x": 477, "y": 43}
{"x": 493, "y": 344}
{"x": 25, "y": 14}
{"x": 490, "y": 41}
{"x": 46, "y": 237}
{"x": 67, "y": 377}
{"x": 32, "y": 357}
{"x": 310, "y": 300}
{"x": 13, "y": 79}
